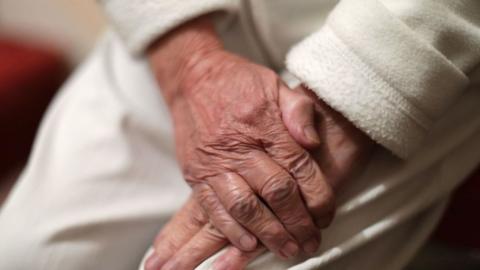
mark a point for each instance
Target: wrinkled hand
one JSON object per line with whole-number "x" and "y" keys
{"x": 188, "y": 239}
{"x": 246, "y": 171}
{"x": 344, "y": 148}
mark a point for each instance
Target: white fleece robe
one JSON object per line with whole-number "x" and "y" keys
{"x": 400, "y": 63}
{"x": 102, "y": 178}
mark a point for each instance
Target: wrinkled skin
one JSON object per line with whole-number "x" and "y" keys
{"x": 190, "y": 237}
{"x": 241, "y": 138}
{"x": 249, "y": 175}
{"x": 234, "y": 149}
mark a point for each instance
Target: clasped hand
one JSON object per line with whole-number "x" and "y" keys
{"x": 241, "y": 139}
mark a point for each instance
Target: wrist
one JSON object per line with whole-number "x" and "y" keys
{"x": 173, "y": 56}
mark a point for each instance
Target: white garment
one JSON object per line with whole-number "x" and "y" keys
{"x": 103, "y": 179}
{"x": 392, "y": 67}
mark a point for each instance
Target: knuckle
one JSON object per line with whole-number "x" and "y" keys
{"x": 208, "y": 200}
{"x": 213, "y": 233}
{"x": 197, "y": 219}
{"x": 206, "y": 197}
{"x": 278, "y": 189}
{"x": 300, "y": 165}
{"x": 244, "y": 207}
{"x": 223, "y": 147}
{"x": 249, "y": 113}
{"x": 308, "y": 175}
{"x": 304, "y": 224}
{"x": 274, "y": 231}
{"x": 193, "y": 170}
{"x": 300, "y": 222}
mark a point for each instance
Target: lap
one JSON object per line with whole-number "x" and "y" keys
{"x": 102, "y": 177}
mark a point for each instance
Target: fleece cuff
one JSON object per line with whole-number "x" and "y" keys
{"x": 140, "y": 22}
{"x": 370, "y": 67}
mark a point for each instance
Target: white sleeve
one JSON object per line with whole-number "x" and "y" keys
{"x": 392, "y": 67}
{"x": 140, "y": 22}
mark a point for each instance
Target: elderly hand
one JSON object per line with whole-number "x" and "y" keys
{"x": 247, "y": 172}
{"x": 190, "y": 238}
{"x": 343, "y": 149}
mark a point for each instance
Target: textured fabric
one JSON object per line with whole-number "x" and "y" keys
{"x": 103, "y": 179}
{"x": 140, "y": 22}
{"x": 392, "y": 67}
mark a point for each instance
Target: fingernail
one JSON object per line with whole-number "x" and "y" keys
{"x": 248, "y": 242}
{"x": 311, "y": 134}
{"x": 290, "y": 249}
{"x": 153, "y": 262}
{"x": 311, "y": 246}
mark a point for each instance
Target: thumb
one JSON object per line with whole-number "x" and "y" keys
{"x": 298, "y": 114}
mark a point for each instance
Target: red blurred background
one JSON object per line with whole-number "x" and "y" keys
{"x": 41, "y": 41}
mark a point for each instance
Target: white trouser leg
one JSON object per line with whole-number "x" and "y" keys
{"x": 102, "y": 178}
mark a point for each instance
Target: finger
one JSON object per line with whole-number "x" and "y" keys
{"x": 244, "y": 206}
{"x": 236, "y": 259}
{"x": 314, "y": 188}
{"x": 222, "y": 220}
{"x": 298, "y": 114}
{"x": 203, "y": 245}
{"x": 280, "y": 191}
{"x": 179, "y": 230}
